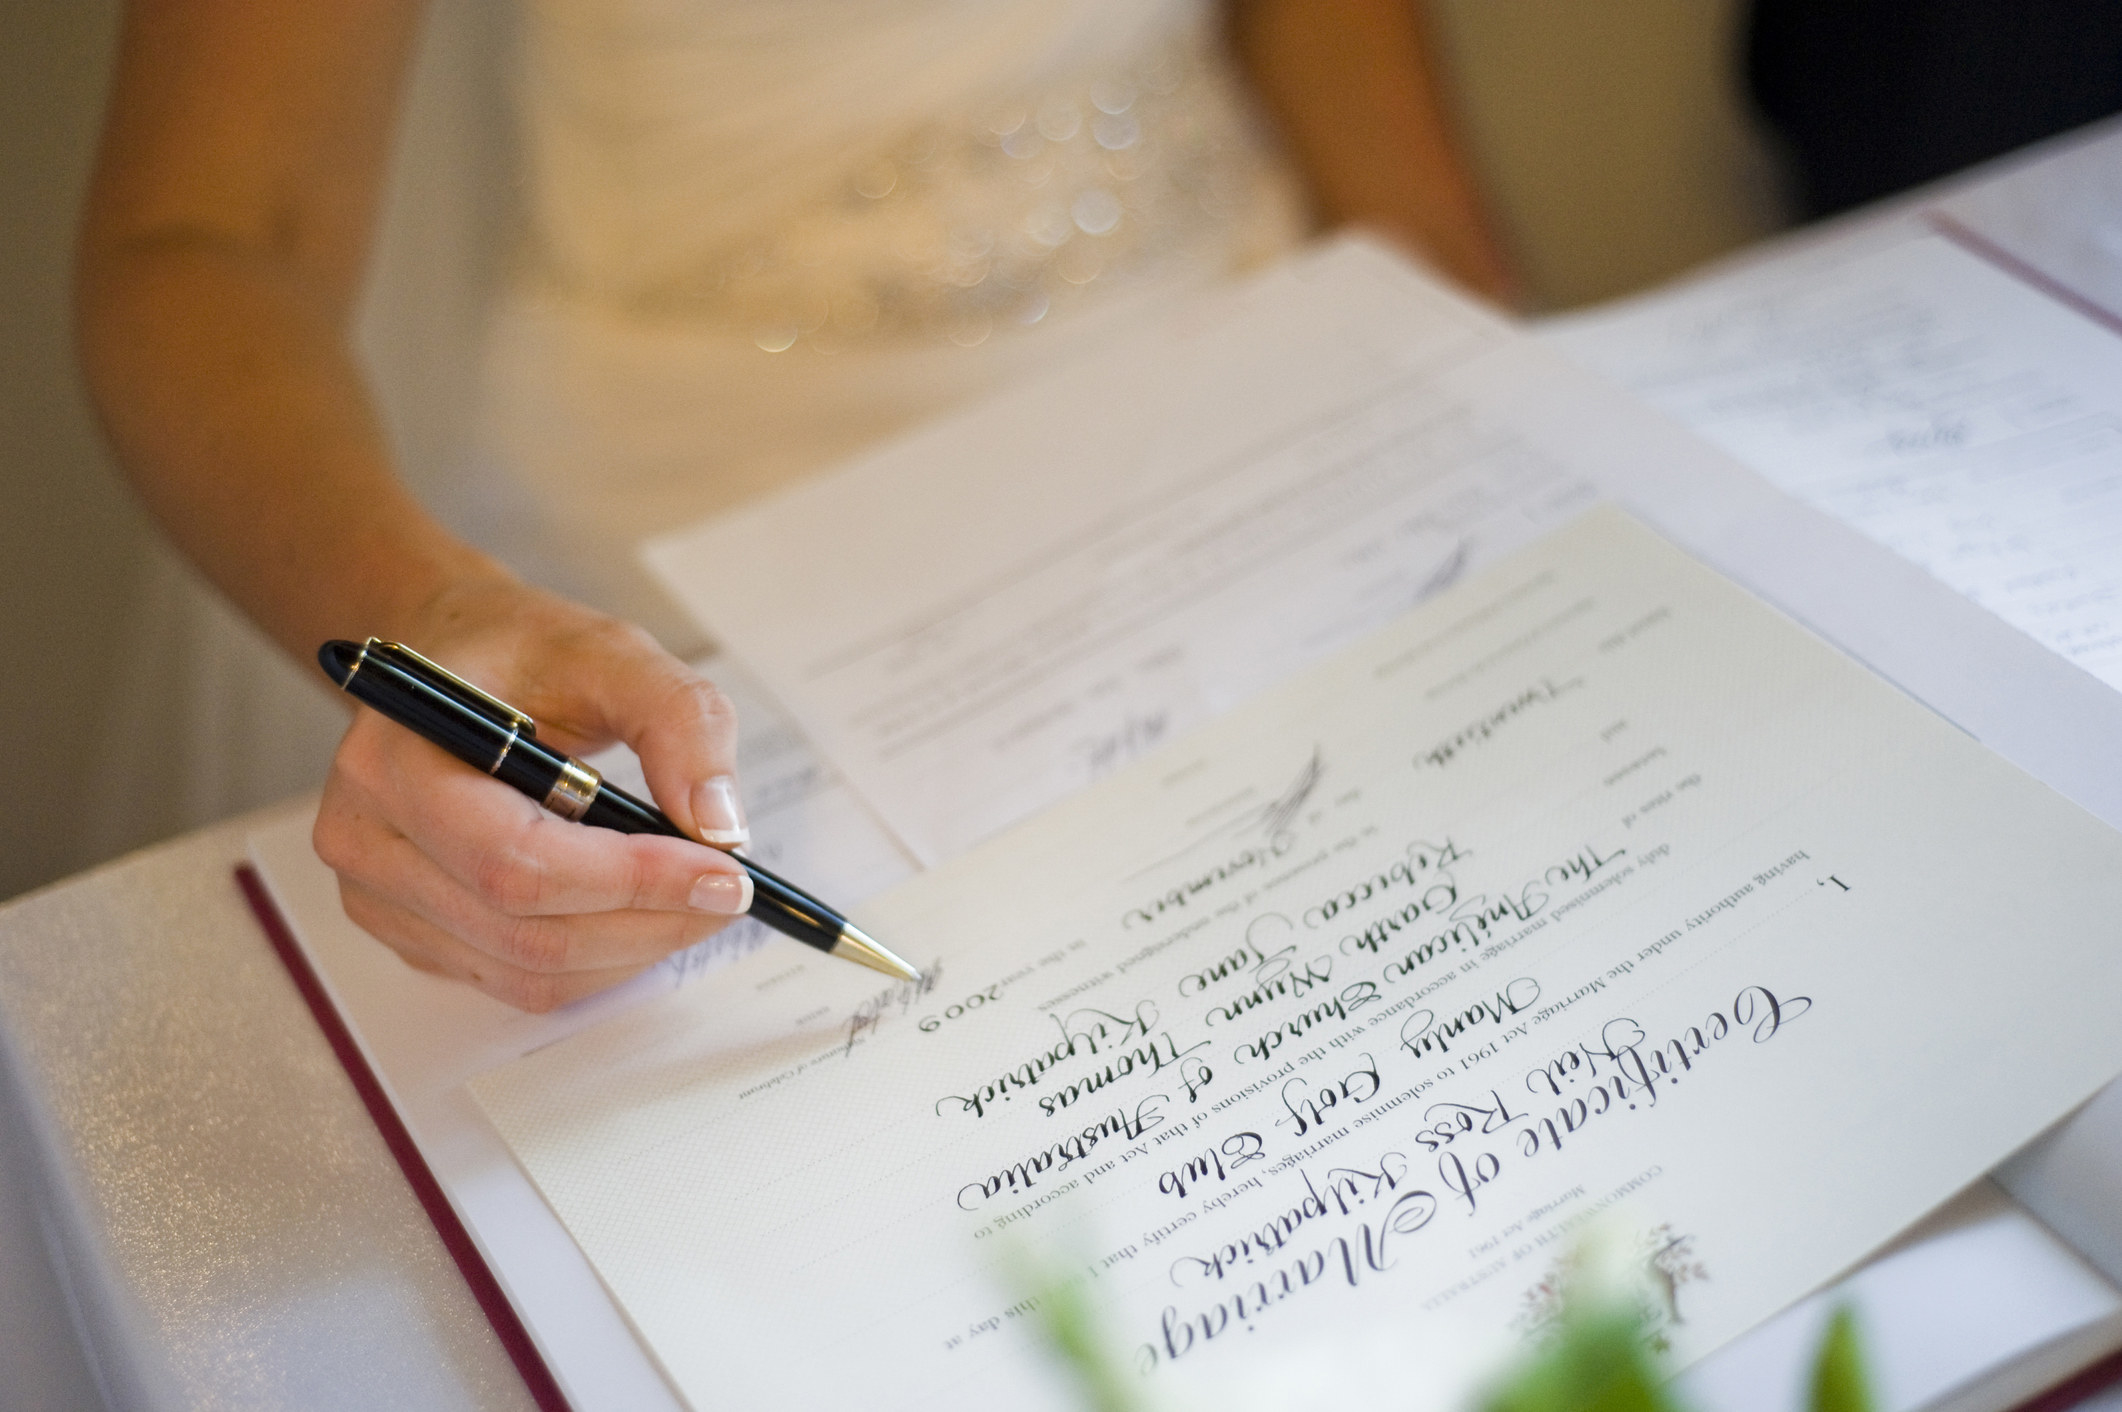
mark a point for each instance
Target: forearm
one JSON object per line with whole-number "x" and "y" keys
{"x": 1355, "y": 89}
{"x": 222, "y": 255}
{"x": 225, "y": 380}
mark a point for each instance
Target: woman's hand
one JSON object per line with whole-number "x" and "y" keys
{"x": 463, "y": 876}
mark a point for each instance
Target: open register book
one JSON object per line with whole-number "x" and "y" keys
{"x": 1345, "y": 958}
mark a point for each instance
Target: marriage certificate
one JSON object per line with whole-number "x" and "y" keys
{"x": 1589, "y": 894}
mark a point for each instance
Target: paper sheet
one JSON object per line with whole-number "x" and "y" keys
{"x": 1592, "y": 886}
{"x": 993, "y": 613}
{"x": 424, "y": 1036}
{"x": 1945, "y": 406}
{"x": 2056, "y": 206}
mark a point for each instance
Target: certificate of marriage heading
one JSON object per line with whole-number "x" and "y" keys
{"x": 1590, "y": 893}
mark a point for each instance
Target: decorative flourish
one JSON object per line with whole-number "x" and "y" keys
{"x": 1672, "y": 1265}
{"x": 1663, "y": 1263}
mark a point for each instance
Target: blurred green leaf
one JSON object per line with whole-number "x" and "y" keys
{"x": 1073, "y": 1334}
{"x": 1595, "y": 1362}
{"x": 1840, "y": 1382}
{"x": 1070, "y": 1329}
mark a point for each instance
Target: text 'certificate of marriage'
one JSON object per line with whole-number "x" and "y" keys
{"x": 1590, "y": 888}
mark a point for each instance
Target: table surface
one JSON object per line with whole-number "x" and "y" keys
{"x": 227, "y": 1220}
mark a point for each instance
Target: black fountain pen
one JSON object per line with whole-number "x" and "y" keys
{"x": 491, "y": 735}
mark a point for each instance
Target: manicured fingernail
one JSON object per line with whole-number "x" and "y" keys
{"x": 727, "y": 894}
{"x": 719, "y": 813}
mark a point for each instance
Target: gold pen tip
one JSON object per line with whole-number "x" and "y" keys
{"x": 859, "y": 946}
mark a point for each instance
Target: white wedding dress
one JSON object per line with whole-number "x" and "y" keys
{"x": 757, "y": 236}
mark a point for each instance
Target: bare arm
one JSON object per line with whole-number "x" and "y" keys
{"x": 226, "y": 234}
{"x": 1355, "y": 87}
{"x": 227, "y": 231}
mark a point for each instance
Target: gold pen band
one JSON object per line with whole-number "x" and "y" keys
{"x": 573, "y": 791}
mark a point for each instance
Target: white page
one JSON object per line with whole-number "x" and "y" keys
{"x": 1946, "y": 407}
{"x": 991, "y": 613}
{"x": 1628, "y": 797}
{"x": 2070, "y": 1179}
{"x": 1045, "y": 502}
{"x": 423, "y": 1036}
{"x": 2057, "y": 207}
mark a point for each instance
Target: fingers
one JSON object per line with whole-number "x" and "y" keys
{"x": 525, "y": 862}
{"x": 484, "y": 886}
{"x": 515, "y": 857}
{"x": 429, "y": 948}
{"x": 533, "y": 942}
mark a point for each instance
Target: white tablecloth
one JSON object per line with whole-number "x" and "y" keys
{"x": 230, "y": 1226}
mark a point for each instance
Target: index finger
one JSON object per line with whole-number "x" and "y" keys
{"x": 677, "y": 722}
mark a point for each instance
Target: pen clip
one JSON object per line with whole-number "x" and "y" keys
{"x": 450, "y": 684}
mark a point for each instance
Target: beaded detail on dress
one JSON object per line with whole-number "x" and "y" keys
{"x": 991, "y": 218}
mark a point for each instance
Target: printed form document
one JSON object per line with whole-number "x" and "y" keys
{"x": 1923, "y": 389}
